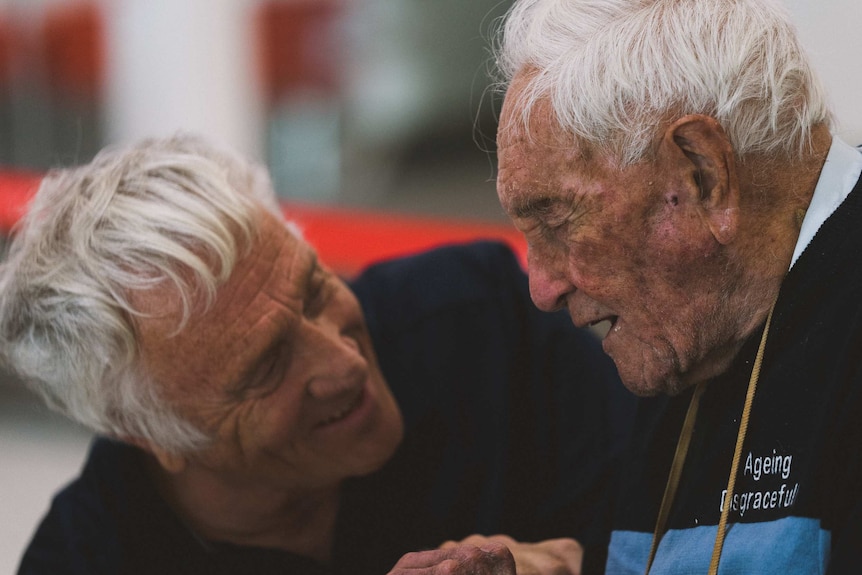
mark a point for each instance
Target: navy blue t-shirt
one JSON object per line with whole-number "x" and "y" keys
{"x": 513, "y": 418}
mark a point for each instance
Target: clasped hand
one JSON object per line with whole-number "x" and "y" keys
{"x": 494, "y": 555}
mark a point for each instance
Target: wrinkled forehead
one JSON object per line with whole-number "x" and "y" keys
{"x": 518, "y": 111}
{"x": 529, "y": 121}
{"x": 264, "y": 282}
{"x": 534, "y": 151}
{"x": 272, "y": 242}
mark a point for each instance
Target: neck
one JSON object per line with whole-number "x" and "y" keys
{"x": 778, "y": 196}
{"x": 301, "y": 521}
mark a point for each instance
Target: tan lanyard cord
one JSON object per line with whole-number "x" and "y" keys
{"x": 737, "y": 452}
{"x": 682, "y": 451}
{"x": 675, "y": 471}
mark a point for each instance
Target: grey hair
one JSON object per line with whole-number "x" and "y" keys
{"x": 164, "y": 211}
{"x": 615, "y": 71}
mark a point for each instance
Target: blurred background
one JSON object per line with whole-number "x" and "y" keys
{"x": 382, "y": 106}
{"x": 345, "y": 101}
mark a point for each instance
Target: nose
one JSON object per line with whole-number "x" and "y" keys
{"x": 548, "y": 286}
{"x": 338, "y": 363}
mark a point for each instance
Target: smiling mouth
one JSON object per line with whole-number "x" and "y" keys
{"x": 347, "y": 410}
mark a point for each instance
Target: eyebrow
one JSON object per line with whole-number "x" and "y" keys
{"x": 307, "y": 273}
{"x": 313, "y": 265}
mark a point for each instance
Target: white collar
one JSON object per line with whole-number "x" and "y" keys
{"x": 839, "y": 175}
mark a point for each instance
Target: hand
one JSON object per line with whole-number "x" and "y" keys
{"x": 487, "y": 558}
{"x": 549, "y": 557}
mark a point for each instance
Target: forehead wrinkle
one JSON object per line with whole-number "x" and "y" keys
{"x": 570, "y": 185}
{"x": 252, "y": 326}
{"x": 524, "y": 154}
{"x": 250, "y": 272}
{"x": 540, "y": 129}
{"x": 276, "y": 298}
{"x": 270, "y": 272}
{"x": 241, "y": 306}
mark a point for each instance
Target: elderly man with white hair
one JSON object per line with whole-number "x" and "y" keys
{"x": 257, "y": 414}
{"x": 672, "y": 167}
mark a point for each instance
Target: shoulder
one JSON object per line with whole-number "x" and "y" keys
{"x": 78, "y": 534}
{"x": 108, "y": 520}
{"x": 478, "y": 275}
{"x": 463, "y": 269}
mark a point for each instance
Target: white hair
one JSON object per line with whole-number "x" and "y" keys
{"x": 615, "y": 71}
{"x": 174, "y": 210}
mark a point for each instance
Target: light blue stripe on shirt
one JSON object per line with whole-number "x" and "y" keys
{"x": 787, "y": 546}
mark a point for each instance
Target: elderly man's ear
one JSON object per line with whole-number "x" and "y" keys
{"x": 170, "y": 461}
{"x": 710, "y": 170}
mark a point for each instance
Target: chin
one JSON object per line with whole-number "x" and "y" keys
{"x": 384, "y": 445}
{"x": 641, "y": 389}
{"x": 649, "y": 368}
{"x": 373, "y": 462}
{"x": 643, "y": 384}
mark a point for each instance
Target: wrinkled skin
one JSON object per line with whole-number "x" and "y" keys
{"x": 561, "y": 556}
{"x": 650, "y": 248}
{"x": 495, "y": 554}
{"x": 490, "y": 558}
{"x": 281, "y": 373}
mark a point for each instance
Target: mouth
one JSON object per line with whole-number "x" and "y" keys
{"x": 343, "y": 412}
{"x": 603, "y": 325}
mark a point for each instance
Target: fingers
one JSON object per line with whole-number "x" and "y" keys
{"x": 491, "y": 558}
{"x": 556, "y": 557}
{"x": 561, "y": 556}
{"x": 480, "y": 540}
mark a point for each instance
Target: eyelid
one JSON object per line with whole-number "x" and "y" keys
{"x": 534, "y": 209}
{"x": 556, "y": 221}
{"x": 549, "y": 213}
{"x": 261, "y": 376}
{"x": 546, "y": 208}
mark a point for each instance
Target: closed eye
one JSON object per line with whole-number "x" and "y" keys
{"x": 534, "y": 208}
{"x": 266, "y": 373}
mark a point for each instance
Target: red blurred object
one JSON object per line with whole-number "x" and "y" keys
{"x": 72, "y": 38}
{"x": 16, "y": 189}
{"x": 6, "y": 47}
{"x": 16, "y": 49}
{"x": 298, "y": 46}
{"x": 347, "y": 239}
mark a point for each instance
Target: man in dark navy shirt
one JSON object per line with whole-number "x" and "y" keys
{"x": 257, "y": 415}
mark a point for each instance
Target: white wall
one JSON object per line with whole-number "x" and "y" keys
{"x": 182, "y": 65}
{"x": 188, "y": 64}
{"x": 830, "y": 30}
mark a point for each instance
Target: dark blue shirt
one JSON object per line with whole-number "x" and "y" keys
{"x": 513, "y": 419}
